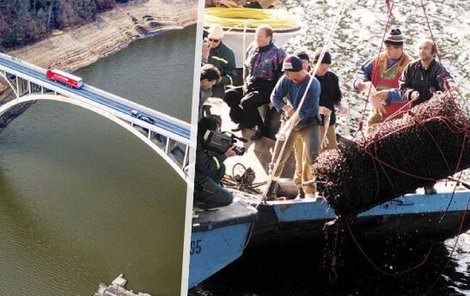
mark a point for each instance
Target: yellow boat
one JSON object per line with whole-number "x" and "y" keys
{"x": 239, "y": 26}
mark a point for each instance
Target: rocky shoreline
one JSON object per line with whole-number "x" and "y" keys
{"x": 112, "y": 30}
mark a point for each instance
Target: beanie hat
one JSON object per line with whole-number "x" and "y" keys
{"x": 394, "y": 38}
{"x": 326, "y": 57}
{"x": 292, "y": 63}
{"x": 302, "y": 54}
{"x": 215, "y": 31}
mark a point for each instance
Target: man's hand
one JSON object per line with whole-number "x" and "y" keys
{"x": 380, "y": 96}
{"x": 452, "y": 86}
{"x": 205, "y": 51}
{"x": 325, "y": 111}
{"x": 343, "y": 108}
{"x": 230, "y": 152}
{"x": 360, "y": 85}
{"x": 288, "y": 110}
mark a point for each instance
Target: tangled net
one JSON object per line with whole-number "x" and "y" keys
{"x": 428, "y": 143}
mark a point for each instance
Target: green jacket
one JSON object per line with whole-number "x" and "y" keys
{"x": 223, "y": 58}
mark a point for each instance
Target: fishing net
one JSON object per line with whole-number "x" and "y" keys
{"x": 428, "y": 143}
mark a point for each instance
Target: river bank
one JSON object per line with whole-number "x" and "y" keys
{"x": 112, "y": 30}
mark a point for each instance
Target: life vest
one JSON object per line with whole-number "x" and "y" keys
{"x": 383, "y": 78}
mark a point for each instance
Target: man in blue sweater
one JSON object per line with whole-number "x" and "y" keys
{"x": 295, "y": 85}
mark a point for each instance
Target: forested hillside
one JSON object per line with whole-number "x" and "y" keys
{"x": 25, "y": 21}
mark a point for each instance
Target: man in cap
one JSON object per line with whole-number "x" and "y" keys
{"x": 217, "y": 53}
{"x": 292, "y": 86}
{"x": 330, "y": 96}
{"x": 422, "y": 77}
{"x": 262, "y": 69}
{"x": 383, "y": 72}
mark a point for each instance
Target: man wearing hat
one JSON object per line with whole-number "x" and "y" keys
{"x": 292, "y": 86}
{"x": 383, "y": 72}
{"x": 330, "y": 96}
{"x": 215, "y": 52}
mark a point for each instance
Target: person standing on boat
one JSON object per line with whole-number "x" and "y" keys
{"x": 330, "y": 96}
{"x": 383, "y": 72}
{"x": 292, "y": 86}
{"x": 425, "y": 75}
{"x": 210, "y": 75}
{"x": 422, "y": 78}
{"x": 210, "y": 169}
{"x": 217, "y": 53}
{"x": 262, "y": 69}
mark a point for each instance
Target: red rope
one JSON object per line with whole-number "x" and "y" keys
{"x": 371, "y": 146}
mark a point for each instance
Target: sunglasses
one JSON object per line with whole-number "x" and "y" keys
{"x": 214, "y": 40}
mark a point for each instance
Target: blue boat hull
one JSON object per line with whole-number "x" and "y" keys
{"x": 218, "y": 238}
{"x": 214, "y": 249}
{"x": 436, "y": 216}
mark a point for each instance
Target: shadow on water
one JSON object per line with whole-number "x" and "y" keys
{"x": 305, "y": 268}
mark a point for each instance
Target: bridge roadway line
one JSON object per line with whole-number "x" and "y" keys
{"x": 175, "y": 129}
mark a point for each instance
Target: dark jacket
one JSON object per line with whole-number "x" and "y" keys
{"x": 208, "y": 164}
{"x": 425, "y": 81}
{"x": 330, "y": 93}
{"x": 223, "y": 58}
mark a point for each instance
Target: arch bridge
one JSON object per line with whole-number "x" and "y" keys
{"x": 168, "y": 136}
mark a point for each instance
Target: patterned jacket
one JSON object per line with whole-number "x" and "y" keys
{"x": 263, "y": 64}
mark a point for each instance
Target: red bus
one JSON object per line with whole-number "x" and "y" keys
{"x": 65, "y": 78}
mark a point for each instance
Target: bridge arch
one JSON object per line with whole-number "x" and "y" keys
{"x": 182, "y": 169}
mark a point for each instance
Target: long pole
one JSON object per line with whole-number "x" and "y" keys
{"x": 292, "y": 122}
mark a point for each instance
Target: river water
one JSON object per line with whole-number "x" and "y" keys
{"x": 81, "y": 199}
{"x": 305, "y": 268}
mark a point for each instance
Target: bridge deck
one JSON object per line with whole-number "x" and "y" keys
{"x": 169, "y": 136}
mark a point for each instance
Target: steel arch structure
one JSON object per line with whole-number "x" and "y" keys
{"x": 168, "y": 136}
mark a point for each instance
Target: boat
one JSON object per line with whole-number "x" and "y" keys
{"x": 219, "y": 236}
{"x": 416, "y": 215}
{"x": 117, "y": 288}
{"x": 436, "y": 216}
{"x": 410, "y": 216}
{"x": 239, "y": 25}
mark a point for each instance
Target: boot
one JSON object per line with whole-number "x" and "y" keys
{"x": 272, "y": 191}
{"x": 300, "y": 194}
{"x": 428, "y": 190}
